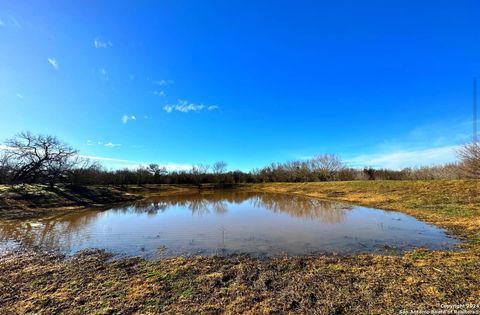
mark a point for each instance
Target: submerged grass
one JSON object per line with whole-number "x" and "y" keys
{"x": 92, "y": 283}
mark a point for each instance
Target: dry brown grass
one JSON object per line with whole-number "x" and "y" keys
{"x": 91, "y": 284}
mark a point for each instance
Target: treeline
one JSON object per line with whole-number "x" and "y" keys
{"x": 153, "y": 174}
{"x": 291, "y": 172}
{"x": 29, "y": 158}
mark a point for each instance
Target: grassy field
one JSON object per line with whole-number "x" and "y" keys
{"x": 92, "y": 283}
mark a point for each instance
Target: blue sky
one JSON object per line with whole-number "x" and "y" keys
{"x": 381, "y": 83}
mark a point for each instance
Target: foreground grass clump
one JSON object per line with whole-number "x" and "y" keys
{"x": 90, "y": 283}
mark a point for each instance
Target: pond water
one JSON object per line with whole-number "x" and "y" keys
{"x": 227, "y": 222}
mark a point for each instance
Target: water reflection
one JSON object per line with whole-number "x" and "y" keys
{"x": 55, "y": 232}
{"x": 217, "y": 202}
{"x": 306, "y": 208}
{"x": 225, "y": 221}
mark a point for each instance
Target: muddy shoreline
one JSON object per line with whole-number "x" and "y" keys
{"x": 36, "y": 201}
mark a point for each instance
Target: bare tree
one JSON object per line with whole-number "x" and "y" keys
{"x": 326, "y": 166}
{"x": 4, "y": 168}
{"x": 219, "y": 167}
{"x": 469, "y": 156}
{"x": 34, "y": 158}
{"x": 156, "y": 170}
{"x": 200, "y": 169}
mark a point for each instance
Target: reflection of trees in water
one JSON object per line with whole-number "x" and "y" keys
{"x": 52, "y": 233}
{"x": 150, "y": 207}
{"x": 199, "y": 204}
{"x": 217, "y": 201}
{"x": 307, "y": 208}
{"x": 60, "y": 232}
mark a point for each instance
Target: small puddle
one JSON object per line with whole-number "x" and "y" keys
{"x": 228, "y": 222}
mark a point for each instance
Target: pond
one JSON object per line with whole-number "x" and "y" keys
{"x": 227, "y": 222}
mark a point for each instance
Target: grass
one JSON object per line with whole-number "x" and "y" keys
{"x": 92, "y": 283}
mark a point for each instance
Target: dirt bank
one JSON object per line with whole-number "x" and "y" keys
{"x": 30, "y": 201}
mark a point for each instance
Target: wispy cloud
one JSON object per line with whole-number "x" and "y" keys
{"x": 176, "y": 166}
{"x": 14, "y": 22}
{"x": 127, "y": 118}
{"x": 53, "y": 62}
{"x": 433, "y": 143}
{"x": 441, "y": 133}
{"x": 168, "y": 166}
{"x": 108, "y": 144}
{"x": 10, "y": 21}
{"x": 20, "y": 96}
{"x": 104, "y": 74}
{"x": 107, "y": 159}
{"x": 117, "y": 163}
{"x": 111, "y": 145}
{"x": 406, "y": 158}
{"x": 184, "y": 106}
{"x": 159, "y": 93}
{"x": 121, "y": 163}
{"x": 163, "y": 82}
{"x": 98, "y": 43}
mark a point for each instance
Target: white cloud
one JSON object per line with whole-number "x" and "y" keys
{"x": 176, "y": 166}
{"x": 20, "y": 96}
{"x": 108, "y": 144}
{"x": 53, "y": 62}
{"x": 98, "y": 43}
{"x": 163, "y": 82}
{"x": 127, "y": 118}
{"x": 406, "y": 158}
{"x": 159, "y": 93}
{"x": 111, "y": 145}
{"x": 441, "y": 133}
{"x": 106, "y": 159}
{"x": 429, "y": 144}
{"x": 184, "y": 106}
{"x": 168, "y": 108}
{"x": 1, "y": 23}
